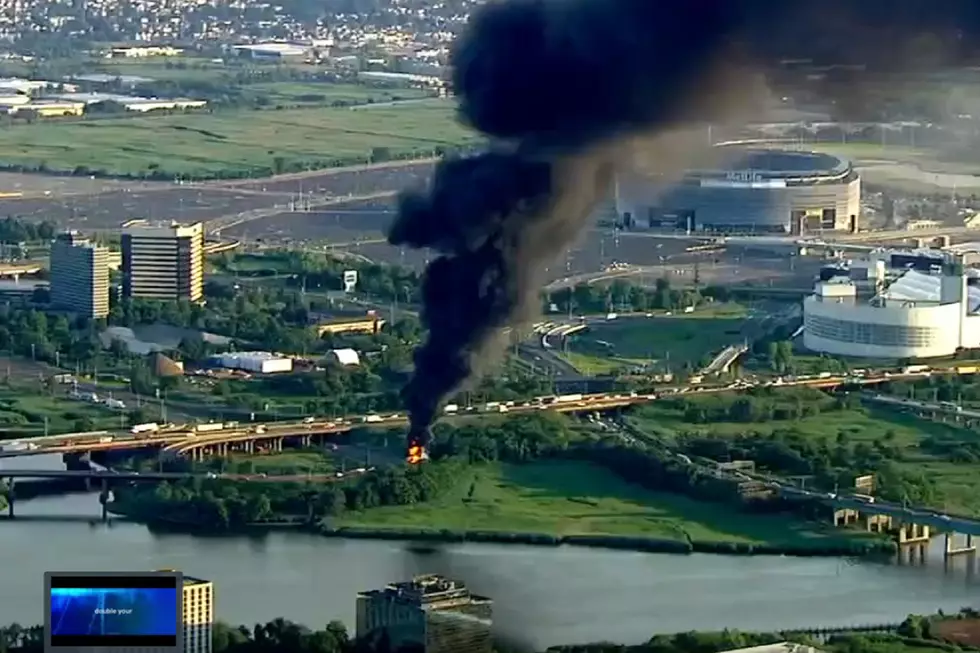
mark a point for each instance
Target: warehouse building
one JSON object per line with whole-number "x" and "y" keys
{"x": 257, "y": 362}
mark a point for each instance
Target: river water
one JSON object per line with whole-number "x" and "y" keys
{"x": 554, "y": 596}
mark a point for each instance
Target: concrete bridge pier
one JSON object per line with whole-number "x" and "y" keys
{"x": 104, "y": 499}
{"x": 913, "y": 534}
{"x": 913, "y": 555}
{"x": 953, "y": 550}
{"x": 277, "y": 445}
{"x": 845, "y": 517}
{"x": 250, "y": 446}
{"x": 878, "y": 523}
{"x": 10, "y": 496}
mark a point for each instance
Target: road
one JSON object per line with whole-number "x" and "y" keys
{"x": 174, "y": 476}
{"x": 185, "y": 441}
{"x": 182, "y": 440}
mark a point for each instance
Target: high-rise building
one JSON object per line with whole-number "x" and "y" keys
{"x": 163, "y": 261}
{"x": 79, "y": 275}
{"x": 198, "y": 614}
{"x": 428, "y": 614}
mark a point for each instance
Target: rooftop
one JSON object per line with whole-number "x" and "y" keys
{"x": 919, "y": 287}
{"x": 427, "y": 589}
{"x": 191, "y": 580}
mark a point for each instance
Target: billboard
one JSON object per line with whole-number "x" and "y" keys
{"x": 350, "y": 280}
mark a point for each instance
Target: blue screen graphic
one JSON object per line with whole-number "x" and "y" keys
{"x": 113, "y": 611}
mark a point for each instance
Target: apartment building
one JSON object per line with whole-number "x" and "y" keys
{"x": 164, "y": 262}
{"x": 79, "y": 276}
{"x": 198, "y": 614}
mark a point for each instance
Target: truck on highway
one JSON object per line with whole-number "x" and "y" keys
{"x": 568, "y": 399}
{"x": 373, "y": 419}
{"x": 915, "y": 369}
{"x": 106, "y": 439}
{"x": 12, "y": 447}
{"x": 451, "y": 409}
{"x": 210, "y": 426}
{"x": 148, "y": 427}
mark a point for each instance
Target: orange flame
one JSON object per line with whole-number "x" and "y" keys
{"x": 416, "y": 455}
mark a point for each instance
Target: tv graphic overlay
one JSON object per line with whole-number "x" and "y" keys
{"x": 109, "y": 610}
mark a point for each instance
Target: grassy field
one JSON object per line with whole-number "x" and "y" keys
{"x": 23, "y": 411}
{"x": 959, "y": 484}
{"x": 571, "y": 498}
{"x": 234, "y": 140}
{"x": 674, "y": 340}
{"x": 288, "y": 462}
{"x": 311, "y": 93}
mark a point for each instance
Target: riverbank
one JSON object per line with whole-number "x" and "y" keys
{"x": 545, "y": 503}
{"x": 844, "y": 548}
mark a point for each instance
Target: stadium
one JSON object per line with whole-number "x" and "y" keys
{"x": 895, "y": 305}
{"x": 748, "y": 190}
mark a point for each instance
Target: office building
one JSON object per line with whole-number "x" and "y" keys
{"x": 163, "y": 262}
{"x": 79, "y": 276}
{"x": 198, "y": 614}
{"x": 430, "y": 614}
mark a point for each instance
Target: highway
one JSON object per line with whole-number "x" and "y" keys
{"x": 910, "y": 515}
{"x": 172, "y": 476}
{"x": 183, "y": 440}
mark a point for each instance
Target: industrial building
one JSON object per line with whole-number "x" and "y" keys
{"x": 895, "y": 305}
{"x": 432, "y": 613}
{"x": 258, "y": 362}
{"x": 274, "y": 50}
{"x": 79, "y": 276}
{"x": 163, "y": 262}
{"x": 198, "y": 606}
{"x": 746, "y": 190}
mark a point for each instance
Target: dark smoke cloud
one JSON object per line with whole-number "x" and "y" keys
{"x": 564, "y": 89}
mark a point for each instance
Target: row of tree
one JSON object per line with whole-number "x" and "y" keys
{"x": 223, "y": 505}
{"x": 284, "y": 636}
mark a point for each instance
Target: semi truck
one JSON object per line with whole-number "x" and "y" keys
{"x": 148, "y": 427}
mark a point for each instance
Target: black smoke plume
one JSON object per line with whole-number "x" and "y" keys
{"x": 563, "y": 87}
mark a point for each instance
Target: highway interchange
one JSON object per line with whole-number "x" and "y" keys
{"x": 184, "y": 440}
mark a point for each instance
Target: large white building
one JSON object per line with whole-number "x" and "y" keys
{"x": 881, "y": 313}
{"x": 259, "y": 362}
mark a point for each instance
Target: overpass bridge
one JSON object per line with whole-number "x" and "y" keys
{"x": 184, "y": 441}
{"x": 914, "y": 526}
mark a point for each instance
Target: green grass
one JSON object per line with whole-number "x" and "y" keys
{"x": 863, "y": 425}
{"x": 958, "y": 483}
{"x": 573, "y": 498}
{"x": 175, "y": 69}
{"x": 590, "y": 365}
{"x": 23, "y": 410}
{"x": 288, "y": 462}
{"x": 310, "y": 93}
{"x": 243, "y": 141}
{"x": 678, "y": 338}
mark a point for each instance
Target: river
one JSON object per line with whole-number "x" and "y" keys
{"x": 562, "y": 595}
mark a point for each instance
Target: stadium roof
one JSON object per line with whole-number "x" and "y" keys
{"x": 915, "y": 286}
